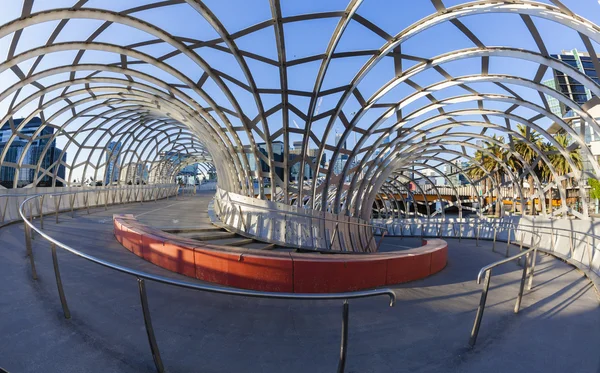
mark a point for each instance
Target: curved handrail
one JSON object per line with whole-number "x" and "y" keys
{"x": 208, "y": 288}
{"x": 307, "y": 216}
{"x": 503, "y": 261}
{"x": 382, "y": 229}
{"x": 142, "y": 276}
{"x": 487, "y": 270}
{"x": 103, "y": 189}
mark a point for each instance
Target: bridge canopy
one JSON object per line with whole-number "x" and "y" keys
{"x": 359, "y": 108}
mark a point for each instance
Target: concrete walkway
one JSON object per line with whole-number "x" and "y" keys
{"x": 557, "y": 330}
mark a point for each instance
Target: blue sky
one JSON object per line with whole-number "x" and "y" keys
{"x": 303, "y": 39}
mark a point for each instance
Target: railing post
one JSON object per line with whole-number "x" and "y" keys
{"x": 31, "y": 234}
{"x": 72, "y": 202}
{"x": 481, "y": 308}
{"x": 494, "y": 243}
{"x": 571, "y": 242}
{"x": 380, "y": 241}
{"x": 589, "y": 251}
{"x": 508, "y": 241}
{"x": 477, "y": 237}
{"x": 521, "y": 248}
{"x": 4, "y": 210}
{"x": 59, "y": 285}
{"x": 242, "y": 219}
{"x": 333, "y": 237}
{"x": 532, "y": 268}
{"x": 344, "y": 341}
{"x": 149, "y": 329}
{"x": 29, "y": 250}
{"x": 57, "y": 207}
{"x": 41, "y": 211}
{"x": 87, "y": 202}
{"x": 522, "y": 285}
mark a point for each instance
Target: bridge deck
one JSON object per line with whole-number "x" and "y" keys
{"x": 557, "y": 330}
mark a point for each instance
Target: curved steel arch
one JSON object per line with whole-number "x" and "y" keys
{"x": 90, "y": 104}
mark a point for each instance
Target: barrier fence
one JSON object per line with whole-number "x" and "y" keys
{"x": 32, "y": 201}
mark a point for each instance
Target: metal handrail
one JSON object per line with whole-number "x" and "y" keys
{"x": 487, "y": 270}
{"x": 329, "y": 243}
{"x": 105, "y": 189}
{"x": 500, "y": 262}
{"x": 308, "y": 217}
{"x": 142, "y": 276}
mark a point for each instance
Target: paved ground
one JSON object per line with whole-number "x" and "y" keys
{"x": 558, "y": 329}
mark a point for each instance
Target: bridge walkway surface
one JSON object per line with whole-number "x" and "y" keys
{"x": 557, "y": 330}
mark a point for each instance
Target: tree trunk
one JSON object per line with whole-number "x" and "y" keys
{"x": 497, "y": 192}
{"x": 531, "y": 194}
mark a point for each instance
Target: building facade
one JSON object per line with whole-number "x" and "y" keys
{"x": 19, "y": 156}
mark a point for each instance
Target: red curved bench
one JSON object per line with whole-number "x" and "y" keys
{"x": 278, "y": 271}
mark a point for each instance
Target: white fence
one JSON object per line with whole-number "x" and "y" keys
{"x": 61, "y": 199}
{"x": 291, "y": 226}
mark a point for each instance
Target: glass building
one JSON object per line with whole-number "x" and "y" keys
{"x": 113, "y": 162}
{"x": 43, "y": 145}
{"x": 569, "y": 86}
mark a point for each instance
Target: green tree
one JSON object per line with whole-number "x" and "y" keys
{"x": 526, "y": 150}
{"x": 559, "y": 161}
{"x": 492, "y": 161}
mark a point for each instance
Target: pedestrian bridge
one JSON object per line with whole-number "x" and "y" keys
{"x": 439, "y": 158}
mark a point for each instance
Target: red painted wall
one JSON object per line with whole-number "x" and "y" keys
{"x": 276, "y": 271}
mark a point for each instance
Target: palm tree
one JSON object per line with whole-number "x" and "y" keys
{"x": 491, "y": 160}
{"x": 527, "y": 152}
{"x": 559, "y": 161}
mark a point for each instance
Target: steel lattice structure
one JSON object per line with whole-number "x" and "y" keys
{"x": 159, "y": 90}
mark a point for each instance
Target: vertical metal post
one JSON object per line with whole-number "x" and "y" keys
{"x": 149, "y": 329}
{"x": 532, "y": 269}
{"x": 481, "y": 308}
{"x": 57, "y": 207}
{"x": 477, "y": 237}
{"x": 242, "y": 218}
{"x": 334, "y": 236}
{"x": 41, "y": 211}
{"x": 31, "y": 220}
{"x": 571, "y": 242}
{"x": 59, "y": 285}
{"x": 380, "y": 241}
{"x": 508, "y": 241}
{"x": 72, "y": 201}
{"x": 29, "y": 250}
{"x": 494, "y": 244}
{"x": 521, "y": 248}
{"x": 522, "y": 285}
{"x": 344, "y": 341}
{"x": 87, "y": 202}
{"x": 589, "y": 251}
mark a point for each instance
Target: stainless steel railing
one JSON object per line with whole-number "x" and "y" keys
{"x": 529, "y": 253}
{"x": 143, "y": 276}
{"x": 109, "y": 196}
{"x": 329, "y": 243}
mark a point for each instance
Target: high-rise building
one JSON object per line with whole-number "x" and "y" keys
{"x": 569, "y": 86}
{"x": 133, "y": 173}
{"x": 113, "y": 162}
{"x": 578, "y": 93}
{"x": 277, "y": 149}
{"x": 342, "y": 158}
{"x": 31, "y": 158}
